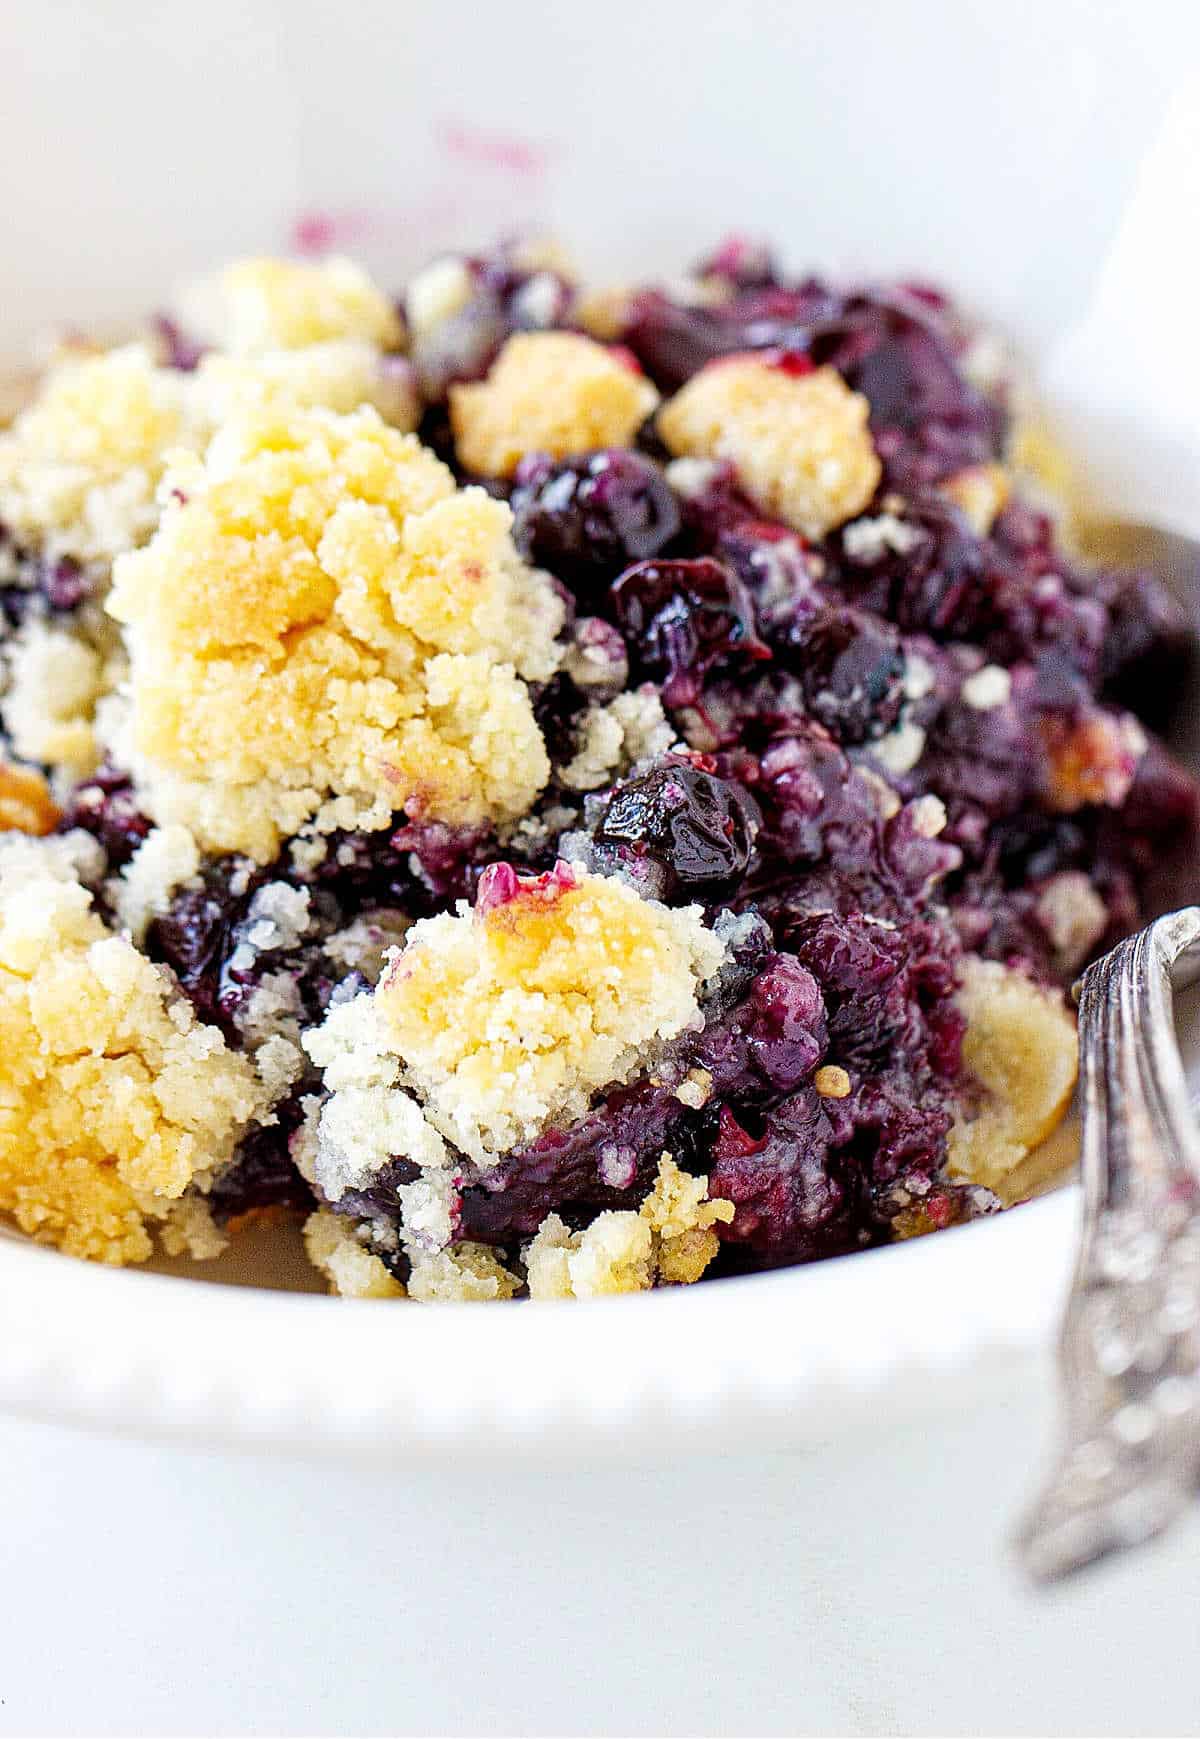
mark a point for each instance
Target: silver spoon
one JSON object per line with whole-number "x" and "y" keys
{"x": 1129, "y": 1352}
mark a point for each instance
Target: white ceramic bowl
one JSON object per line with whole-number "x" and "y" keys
{"x": 919, "y": 137}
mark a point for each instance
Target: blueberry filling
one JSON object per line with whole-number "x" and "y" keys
{"x": 914, "y": 741}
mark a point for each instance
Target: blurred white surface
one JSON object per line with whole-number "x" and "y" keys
{"x": 175, "y": 1592}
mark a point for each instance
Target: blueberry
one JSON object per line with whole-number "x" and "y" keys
{"x": 106, "y": 807}
{"x": 852, "y": 671}
{"x": 698, "y": 828}
{"x": 588, "y": 517}
{"x": 682, "y": 618}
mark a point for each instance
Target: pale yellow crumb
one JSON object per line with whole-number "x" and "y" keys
{"x": 669, "y": 1240}
{"x": 800, "y": 444}
{"x": 258, "y": 305}
{"x": 26, "y": 805}
{"x": 465, "y": 1273}
{"x": 547, "y": 392}
{"x": 508, "y": 1021}
{"x": 351, "y": 1269}
{"x": 980, "y": 492}
{"x": 324, "y": 628}
{"x": 114, "y": 1099}
{"x": 1020, "y": 1047}
{"x": 832, "y": 1082}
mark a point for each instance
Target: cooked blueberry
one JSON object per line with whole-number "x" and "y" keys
{"x": 852, "y": 671}
{"x": 588, "y": 517}
{"x": 106, "y": 807}
{"x": 699, "y": 828}
{"x": 682, "y": 618}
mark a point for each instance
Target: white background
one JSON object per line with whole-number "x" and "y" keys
{"x": 866, "y": 1591}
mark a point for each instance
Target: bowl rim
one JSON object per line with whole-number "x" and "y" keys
{"x": 739, "y": 1360}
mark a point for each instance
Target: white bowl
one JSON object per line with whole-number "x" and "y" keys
{"x": 857, "y": 135}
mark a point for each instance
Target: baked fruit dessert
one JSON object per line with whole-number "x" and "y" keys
{"x": 559, "y": 792}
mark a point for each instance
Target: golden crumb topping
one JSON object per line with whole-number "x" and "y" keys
{"x": 1021, "y": 1048}
{"x": 548, "y": 392}
{"x": 509, "y": 1017}
{"x": 351, "y": 1269}
{"x": 266, "y": 304}
{"x": 492, "y": 1024}
{"x": 465, "y": 1274}
{"x": 26, "y": 805}
{"x": 80, "y": 467}
{"x": 114, "y": 1099}
{"x": 980, "y": 492}
{"x": 799, "y": 442}
{"x": 323, "y": 627}
{"x": 669, "y": 1241}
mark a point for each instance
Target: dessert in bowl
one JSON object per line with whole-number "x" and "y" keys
{"x": 561, "y": 792}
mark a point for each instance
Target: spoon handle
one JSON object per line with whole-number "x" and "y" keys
{"x": 1129, "y": 1353}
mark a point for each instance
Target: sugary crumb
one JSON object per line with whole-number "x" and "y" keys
{"x": 980, "y": 492}
{"x": 900, "y": 750}
{"x": 80, "y": 468}
{"x": 257, "y": 305}
{"x": 55, "y": 681}
{"x": 509, "y": 1017}
{"x": 114, "y": 1099}
{"x": 324, "y": 628}
{"x": 26, "y": 805}
{"x": 870, "y": 540}
{"x": 166, "y": 858}
{"x": 669, "y": 1240}
{"x": 351, "y": 1270}
{"x": 467, "y": 1273}
{"x": 190, "y": 1230}
{"x": 987, "y": 688}
{"x": 613, "y": 738}
{"x": 1020, "y": 1046}
{"x": 799, "y": 443}
{"x": 832, "y": 1082}
{"x": 547, "y": 392}
{"x": 1073, "y": 916}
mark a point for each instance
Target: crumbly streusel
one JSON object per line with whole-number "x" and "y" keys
{"x": 551, "y": 392}
{"x": 800, "y": 443}
{"x": 323, "y": 627}
{"x": 114, "y": 1099}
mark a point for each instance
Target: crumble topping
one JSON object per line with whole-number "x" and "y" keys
{"x": 316, "y": 632}
{"x": 1020, "y": 1045}
{"x": 980, "y": 492}
{"x": 468, "y": 1273}
{"x": 166, "y": 859}
{"x": 56, "y": 679}
{"x": 26, "y": 805}
{"x": 799, "y": 443}
{"x": 669, "y": 1239}
{"x": 1073, "y": 916}
{"x": 509, "y": 1017}
{"x": 351, "y": 1269}
{"x": 114, "y": 1099}
{"x": 615, "y": 737}
{"x": 258, "y": 305}
{"x": 548, "y": 392}
{"x": 79, "y": 469}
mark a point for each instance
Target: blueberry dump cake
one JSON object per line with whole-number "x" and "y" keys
{"x": 556, "y": 791}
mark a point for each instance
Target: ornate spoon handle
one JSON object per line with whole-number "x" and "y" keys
{"x": 1129, "y": 1354}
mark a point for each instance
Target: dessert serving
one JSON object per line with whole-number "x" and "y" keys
{"x": 557, "y": 792}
